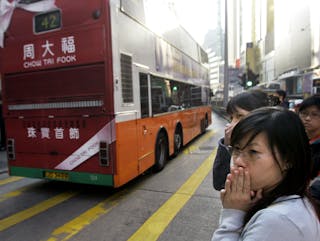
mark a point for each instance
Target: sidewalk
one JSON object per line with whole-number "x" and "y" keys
{"x": 3, "y": 162}
{"x": 221, "y": 111}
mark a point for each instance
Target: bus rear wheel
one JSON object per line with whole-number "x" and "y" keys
{"x": 204, "y": 123}
{"x": 177, "y": 141}
{"x": 161, "y": 152}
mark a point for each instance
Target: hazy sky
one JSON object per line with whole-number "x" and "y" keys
{"x": 197, "y": 16}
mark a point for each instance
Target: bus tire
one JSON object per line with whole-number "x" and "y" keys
{"x": 178, "y": 140}
{"x": 202, "y": 126}
{"x": 207, "y": 121}
{"x": 161, "y": 152}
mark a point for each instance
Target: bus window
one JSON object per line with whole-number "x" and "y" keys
{"x": 144, "y": 95}
{"x": 126, "y": 78}
{"x": 196, "y": 96}
{"x": 159, "y": 95}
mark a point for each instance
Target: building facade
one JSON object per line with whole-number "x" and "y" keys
{"x": 280, "y": 41}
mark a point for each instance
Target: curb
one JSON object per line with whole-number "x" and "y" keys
{"x": 222, "y": 112}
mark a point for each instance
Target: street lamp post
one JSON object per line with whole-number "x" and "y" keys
{"x": 226, "y": 72}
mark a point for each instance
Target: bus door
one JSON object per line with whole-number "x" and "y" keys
{"x": 144, "y": 128}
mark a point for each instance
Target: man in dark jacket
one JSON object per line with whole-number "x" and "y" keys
{"x": 281, "y": 94}
{"x": 309, "y": 113}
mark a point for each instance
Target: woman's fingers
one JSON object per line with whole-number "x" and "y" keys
{"x": 240, "y": 183}
{"x": 225, "y": 195}
{"x": 237, "y": 193}
{"x": 227, "y": 185}
{"x": 246, "y": 185}
{"x": 227, "y": 133}
{"x": 222, "y": 194}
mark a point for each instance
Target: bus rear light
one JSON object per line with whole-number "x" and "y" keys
{"x": 104, "y": 154}
{"x": 11, "y": 152}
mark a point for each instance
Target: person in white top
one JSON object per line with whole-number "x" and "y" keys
{"x": 266, "y": 192}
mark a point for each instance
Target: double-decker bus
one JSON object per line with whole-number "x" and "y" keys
{"x": 94, "y": 93}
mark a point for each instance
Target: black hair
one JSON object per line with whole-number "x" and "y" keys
{"x": 287, "y": 137}
{"x": 313, "y": 100}
{"x": 248, "y": 101}
{"x": 281, "y": 93}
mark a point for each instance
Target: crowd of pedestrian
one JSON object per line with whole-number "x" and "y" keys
{"x": 267, "y": 169}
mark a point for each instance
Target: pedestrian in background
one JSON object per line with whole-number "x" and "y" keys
{"x": 309, "y": 113}
{"x": 281, "y": 94}
{"x": 237, "y": 108}
{"x": 265, "y": 195}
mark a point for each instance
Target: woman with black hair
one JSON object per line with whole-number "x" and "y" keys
{"x": 238, "y": 107}
{"x": 266, "y": 194}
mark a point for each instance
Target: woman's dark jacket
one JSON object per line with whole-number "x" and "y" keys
{"x": 315, "y": 155}
{"x": 221, "y": 166}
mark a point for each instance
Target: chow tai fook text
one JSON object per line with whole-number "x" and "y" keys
{"x": 56, "y": 133}
{"x": 48, "y": 54}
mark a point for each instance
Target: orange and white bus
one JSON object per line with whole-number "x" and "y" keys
{"x": 94, "y": 93}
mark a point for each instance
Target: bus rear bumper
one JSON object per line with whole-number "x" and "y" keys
{"x": 57, "y": 175}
